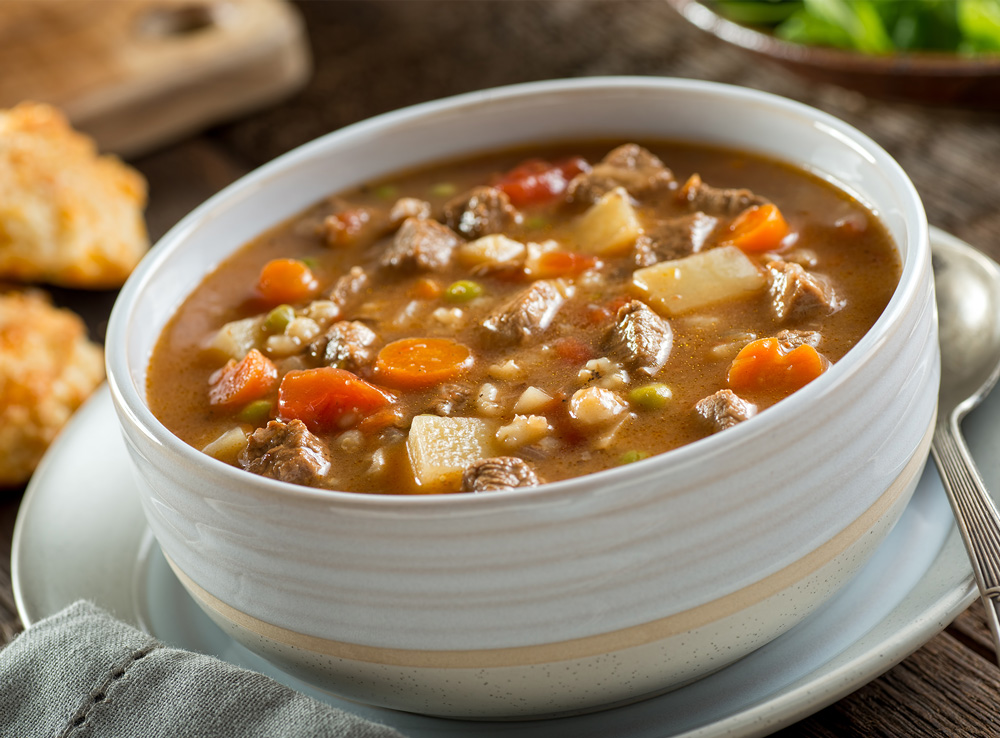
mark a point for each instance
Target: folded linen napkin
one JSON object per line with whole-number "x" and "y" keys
{"x": 83, "y": 674}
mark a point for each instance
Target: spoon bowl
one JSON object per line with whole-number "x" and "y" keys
{"x": 967, "y": 286}
{"x": 968, "y": 296}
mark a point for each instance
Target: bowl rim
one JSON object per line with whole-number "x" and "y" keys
{"x": 133, "y": 407}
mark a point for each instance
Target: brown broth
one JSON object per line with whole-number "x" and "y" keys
{"x": 858, "y": 257}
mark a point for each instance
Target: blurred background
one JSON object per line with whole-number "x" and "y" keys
{"x": 259, "y": 77}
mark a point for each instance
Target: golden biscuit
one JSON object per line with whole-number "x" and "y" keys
{"x": 48, "y": 367}
{"x": 67, "y": 215}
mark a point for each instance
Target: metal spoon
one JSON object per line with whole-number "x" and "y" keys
{"x": 968, "y": 300}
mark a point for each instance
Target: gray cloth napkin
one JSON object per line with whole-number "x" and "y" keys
{"x": 83, "y": 674}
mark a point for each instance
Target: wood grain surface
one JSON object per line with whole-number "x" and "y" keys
{"x": 371, "y": 57}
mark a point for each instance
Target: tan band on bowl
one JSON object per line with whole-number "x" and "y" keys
{"x": 589, "y": 646}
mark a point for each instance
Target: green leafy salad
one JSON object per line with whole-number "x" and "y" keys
{"x": 967, "y": 27}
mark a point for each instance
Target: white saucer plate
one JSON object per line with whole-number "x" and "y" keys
{"x": 80, "y": 534}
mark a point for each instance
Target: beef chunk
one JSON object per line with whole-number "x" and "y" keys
{"x": 796, "y": 293}
{"x": 629, "y": 166}
{"x": 421, "y": 244}
{"x": 408, "y": 207}
{"x": 715, "y": 200}
{"x": 480, "y": 211}
{"x": 450, "y": 399}
{"x": 345, "y": 345}
{"x": 497, "y": 474}
{"x": 724, "y": 409}
{"x": 674, "y": 238}
{"x": 528, "y": 314}
{"x": 288, "y": 452}
{"x": 640, "y": 339}
{"x": 348, "y": 287}
{"x": 791, "y": 339}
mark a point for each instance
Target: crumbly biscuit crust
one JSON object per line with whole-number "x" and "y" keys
{"x": 68, "y": 216}
{"x": 48, "y": 367}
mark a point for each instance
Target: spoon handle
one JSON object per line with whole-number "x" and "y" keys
{"x": 976, "y": 514}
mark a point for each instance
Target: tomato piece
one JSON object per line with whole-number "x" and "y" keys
{"x": 536, "y": 181}
{"x": 563, "y": 264}
{"x": 601, "y": 314}
{"x": 329, "y": 399}
{"x": 573, "y": 350}
{"x": 241, "y": 382}
{"x": 597, "y": 314}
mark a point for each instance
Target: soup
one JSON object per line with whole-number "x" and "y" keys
{"x": 521, "y": 317}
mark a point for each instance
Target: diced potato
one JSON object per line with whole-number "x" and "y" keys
{"x": 492, "y": 250}
{"x": 235, "y": 339}
{"x": 227, "y": 446}
{"x": 696, "y": 281}
{"x": 441, "y": 448}
{"x": 610, "y": 226}
{"x": 532, "y": 400}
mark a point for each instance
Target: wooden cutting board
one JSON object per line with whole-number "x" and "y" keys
{"x": 135, "y": 74}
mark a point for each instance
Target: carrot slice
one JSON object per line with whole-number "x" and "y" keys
{"x": 328, "y": 399}
{"x": 286, "y": 281}
{"x": 238, "y": 383}
{"x": 764, "y": 365}
{"x": 758, "y": 228}
{"x": 414, "y": 363}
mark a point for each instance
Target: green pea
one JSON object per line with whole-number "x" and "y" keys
{"x": 653, "y": 396}
{"x": 256, "y": 412}
{"x": 536, "y": 222}
{"x": 386, "y": 192}
{"x": 630, "y": 457}
{"x": 464, "y": 290}
{"x": 443, "y": 189}
{"x": 279, "y": 318}
{"x": 310, "y": 262}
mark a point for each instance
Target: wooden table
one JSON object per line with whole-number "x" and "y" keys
{"x": 371, "y": 57}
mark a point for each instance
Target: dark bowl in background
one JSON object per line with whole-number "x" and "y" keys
{"x": 923, "y": 78}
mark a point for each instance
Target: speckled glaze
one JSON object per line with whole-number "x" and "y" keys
{"x": 579, "y": 594}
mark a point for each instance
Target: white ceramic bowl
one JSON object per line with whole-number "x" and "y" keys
{"x": 577, "y": 594}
